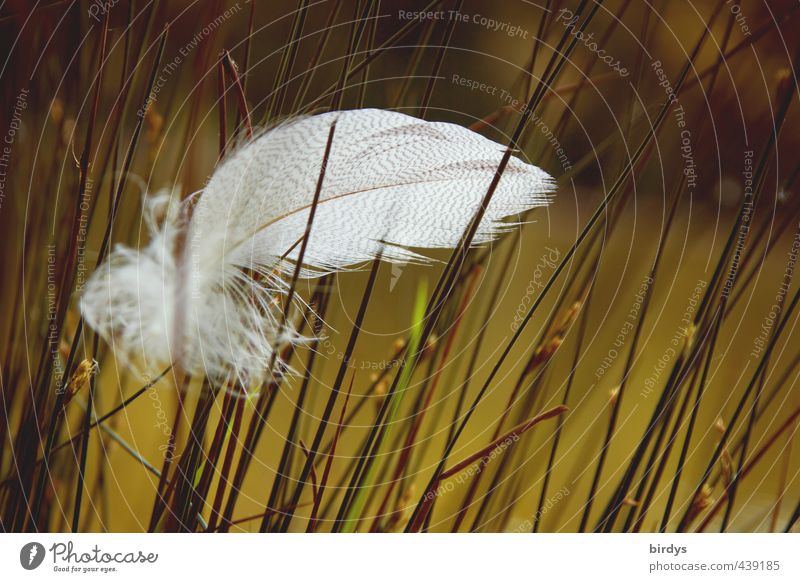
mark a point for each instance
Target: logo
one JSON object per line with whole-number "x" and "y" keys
{"x": 31, "y": 555}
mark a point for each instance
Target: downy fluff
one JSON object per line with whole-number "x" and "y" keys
{"x": 201, "y": 294}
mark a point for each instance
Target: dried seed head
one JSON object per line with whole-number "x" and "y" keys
{"x": 702, "y": 500}
{"x": 85, "y": 370}
{"x": 380, "y": 393}
{"x": 67, "y": 130}
{"x": 403, "y": 509}
{"x": 613, "y": 396}
{"x": 726, "y": 466}
{"x": 544, "y": 352}
{"x": 408, "y": 496}
{"x": 57, "y": 111}
{"x": 705, "y": 498}
{"x": 783, "y": 78}
{"x": 430, "y": 345}
{"x": 155, "y": 122}
{"x": 690, "y": 333}
{"x": 570, "y": 314}
{"x": 64, "y": 349}
{"x": 725, "y": 461}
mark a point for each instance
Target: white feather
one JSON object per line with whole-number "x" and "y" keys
{"x": 392, "y": 183}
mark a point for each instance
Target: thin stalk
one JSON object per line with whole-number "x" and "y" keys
{"x": 323, "y": 423}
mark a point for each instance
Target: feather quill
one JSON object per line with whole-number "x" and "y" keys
{"x": 202, "y": 292}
